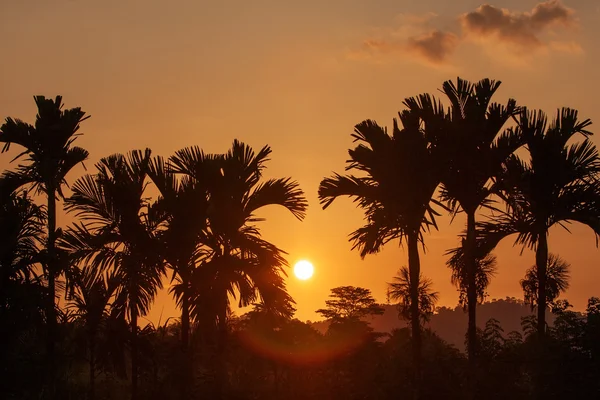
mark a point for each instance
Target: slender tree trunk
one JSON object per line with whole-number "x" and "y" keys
{"x": 541, "y": 260}
{"x": 134, "y": 354}
{"x": 185, "y": 347}
{"x": 51, "y": 271}
{"x": 185, "y": 323}
{"x": 221, "y": 364}
{"x": 471, "y": 266}
{"x": 92, "y": 366}
{"x": 414, "y": 267}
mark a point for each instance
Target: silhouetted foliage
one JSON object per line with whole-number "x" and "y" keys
{"x": 49, "y": 155}
{"x": 485, "y": 270}
{"x": 557, "y": 280}
{"x": 471, "y": 144}
{"x": 398, "y": 177}
{"x": 118, "y": 235}
{"x": 350, "y": 303}
{"x": 195, "y": 216}
{"x": 399, "y": 290}
{"x": 556, "y": 185}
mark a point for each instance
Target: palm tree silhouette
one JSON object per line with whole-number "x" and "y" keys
{"x": 236, "y": 261}
{"x": 471, "y": 151}
{"x": 21, "y": 234}
{"x": 558, "y": 185}
{"x": 400, "y": 290}
{"x": 485, "y": 270}
{"x": 184, "y": 202}
{"x": 395, "y": 192}
{"x": 50, "y": 155}
{"x": 90, "y": 301}
{"x": 118, "y": 233}
{"x": 557, "y": 280}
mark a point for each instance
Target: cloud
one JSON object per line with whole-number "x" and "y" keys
{"x": 435, "y": 46}
{"x": 522, "y": 29}
{"x": 381, "y": 46}
{"x": 512, "y": 33}
{"x": 414, "y": 36}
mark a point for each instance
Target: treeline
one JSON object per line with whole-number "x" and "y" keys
{"x": 202, "y": 233}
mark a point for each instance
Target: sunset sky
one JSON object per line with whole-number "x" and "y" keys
{"x": 298, "y": 75}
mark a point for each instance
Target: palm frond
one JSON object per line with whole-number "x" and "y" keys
{"x": 283, "y": 192}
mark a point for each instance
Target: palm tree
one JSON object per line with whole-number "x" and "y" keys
{"x": 557, "y": 185}
{"x": 90, "y": 301}
{"x": 471, "y": 147}
{"x": 235, "y": 261}
{"x": 119, "y": 235}
{"x": 557, "y": 280}
{"x": 399, "y": 176}
{"x": 50, "y": 155}
{"x": 21, "y": 233}
{"x": 486, "y": 269}
{"x": 184, "y": 203}
{"x": 400, "y": 290}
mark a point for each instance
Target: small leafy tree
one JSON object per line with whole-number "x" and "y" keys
{"x": 400, "y": 291}
{"x": 557, "y": 281}
{"x": 350, "y": 303}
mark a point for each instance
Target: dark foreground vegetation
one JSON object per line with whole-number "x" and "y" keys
{"x": 72, "y": 298}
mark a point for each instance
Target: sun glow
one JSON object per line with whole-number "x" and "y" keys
{"x": 303, "y": 270}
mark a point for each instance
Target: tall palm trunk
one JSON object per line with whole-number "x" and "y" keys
{"x": 541, "y": 260}
{"x": 185, "y": 347}
{"x": 414, "y": 266}
{"x": 51, "y": 271}
{"x": 134, "y": 354}
{"x": 92, "y": 365}
{"x": 185, "y": 323}
{"x": 221, "y": 369}
{"x": 471, "y": 267}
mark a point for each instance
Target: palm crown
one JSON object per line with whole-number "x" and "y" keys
{"x": 236, "y": 260}
{"x": 391, "y": 168}
{"x": 119, "y": 228}
{"x": 48, "y": 145}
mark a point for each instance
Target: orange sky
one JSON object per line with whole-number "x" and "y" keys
{"x": 299, "y": 76}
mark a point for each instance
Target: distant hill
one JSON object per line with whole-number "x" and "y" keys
{"x": 451, "y": 323}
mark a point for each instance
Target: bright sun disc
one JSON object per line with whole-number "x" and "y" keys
{"x": 303, "y": 270}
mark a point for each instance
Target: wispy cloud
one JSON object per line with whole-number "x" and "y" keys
{"x": 435, "y": 46}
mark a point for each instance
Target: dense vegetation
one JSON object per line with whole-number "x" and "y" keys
{"x": 202, "y": 232}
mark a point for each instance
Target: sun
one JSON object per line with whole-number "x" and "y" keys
{"x": 303, "y": 270}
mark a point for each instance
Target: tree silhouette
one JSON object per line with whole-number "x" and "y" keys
{"x": 400, "y": 290}
{"x": 350, "y": 302}
{"x": 183, "y": 202}
{"x": 557, "y": 280}
{"x": 558, "y": 184}
{"x": 471, "y": 146}
{"x": 90, "y": 301}
{"x": 236, "y": 261}
{"x": 118, "y": 234}
{"x": 49, "y": 155}
{"x": 486, "y": 269}
{"x": 21, "y": 233}
{"x": 399, "y": 178}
